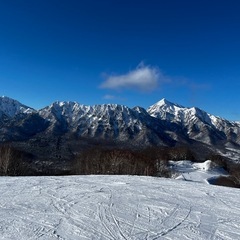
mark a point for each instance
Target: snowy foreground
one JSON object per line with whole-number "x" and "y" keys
{"x": 116, "y": 207}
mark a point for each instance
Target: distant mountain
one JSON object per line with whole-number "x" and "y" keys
{"x": 18, "y": 121}
{"x": 107, "y": 121}
{"x": 10, "y": 108}
{"x": 162, "y": 124}
{"x": 198, "y": 124}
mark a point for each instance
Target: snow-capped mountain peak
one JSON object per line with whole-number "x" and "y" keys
{"x": 163, "y": 123}
{"x": 67, "y": 109}
{"x": 177, "y": 113}
{"x": 164, "y": 102}
{"x": 10, "y": 107}
{"x": 166, "y": 110}
{"x": 199, "y": 125}
{"x": 163, "y": 105}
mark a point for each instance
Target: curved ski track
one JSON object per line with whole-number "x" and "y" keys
{"x": 116, "y": 207}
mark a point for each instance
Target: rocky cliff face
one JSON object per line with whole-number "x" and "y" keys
{"x": 163, "y": 124}
{"x": 108, "y": 121}
{"x": 198, "y": 124}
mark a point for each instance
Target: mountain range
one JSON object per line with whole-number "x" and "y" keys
{"x": 162, "y": 124}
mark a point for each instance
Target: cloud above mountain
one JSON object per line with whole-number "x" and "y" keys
{"x": 143, "y": 78}
{"x": 109, "y": 97}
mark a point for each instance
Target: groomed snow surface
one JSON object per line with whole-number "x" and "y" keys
{"x": 116, "y": 207}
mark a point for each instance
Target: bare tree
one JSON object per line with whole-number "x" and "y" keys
{"x": 5, "y": 158}
{"x": 113, "y": 161}
{"x": 11, "y": 161}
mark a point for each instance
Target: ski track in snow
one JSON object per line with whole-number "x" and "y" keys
{"x": 116, "y": 207}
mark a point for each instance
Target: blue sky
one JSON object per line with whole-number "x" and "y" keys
{"x": 126, "y": 52}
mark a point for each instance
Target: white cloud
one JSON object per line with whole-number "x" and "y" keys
{"x": 113, "y": 97}
{"x": 107, "y": 96}
{"x": 143, "y": 78}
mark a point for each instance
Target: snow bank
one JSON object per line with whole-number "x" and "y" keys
{"x": 196, "y": 172}
{"x": 206, "y": 166}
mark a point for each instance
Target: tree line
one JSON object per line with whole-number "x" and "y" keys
{"x": 151, "y": 161}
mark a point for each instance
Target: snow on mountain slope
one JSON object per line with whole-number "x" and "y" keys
{"x": 74, "y": 112}
{"x": 108, "y": 121}
{"x": 174, "y": 112}
{"x": 199, "y": 124}
{"x": 68, "y": 111}
{"x": 164, "y": 123}
{"x": 10, "y": 107}
{"x": 116, "y": 207}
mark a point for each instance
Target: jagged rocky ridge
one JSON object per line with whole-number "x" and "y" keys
{"x": 163, "y": 124}
{"x": 198, "y": 124}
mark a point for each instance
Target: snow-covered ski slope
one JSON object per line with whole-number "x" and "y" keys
{"x": 116, "y": 207}
{"x": 196, "y": 172}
